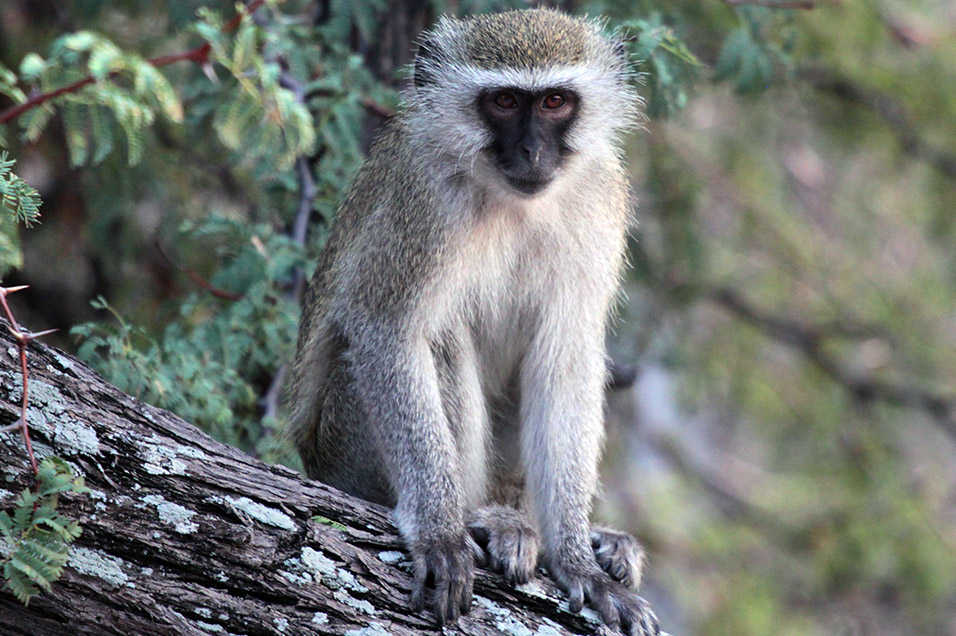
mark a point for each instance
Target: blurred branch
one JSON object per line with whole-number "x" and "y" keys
{"x": 809, "y": 341}
{"x": 195, "y": 277}
{"x": 890, "y": 109}
{"x": 775, "y": 4}
{"x": 199, "y": 55}
{"x": 369, "y": 104}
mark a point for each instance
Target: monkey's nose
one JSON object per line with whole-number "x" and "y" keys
{"x": 532, "y": 148}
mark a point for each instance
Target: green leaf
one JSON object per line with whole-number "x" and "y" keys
{"x": 32, "y": 67}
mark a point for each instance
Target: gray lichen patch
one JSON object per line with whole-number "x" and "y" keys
{"x": 505, "y": 620}
{"x": 317, "y": 562}
{"x": 312, "y": 565}
{"x": 48, "y": 414}
{"x": 65, "y": 363}
{"x": 347, "y": 580}
{"x": 320, "y": 618}
{"x": 47, "y": 396}
{"x": 548, "y": 628}
{"x": 374, "y": 629}
{"x": 491, "y": 606}
{"x": 533, "y": 588}
{"x": 511, "y": 625}
{"x": 259, "y": 512}
{"x": 190, "y": 451}
{"x": 390, "y": 557}
{"x": 159, "y": 459}
{"x": 212, "y": 628}
{"x": 99, "y": 564}
{"x": 361, "y": 605}
{"x": 72, "y": 437}
{"x": 175, "y": 515}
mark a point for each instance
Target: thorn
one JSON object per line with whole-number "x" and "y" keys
{"x": 210, "y": 72}
{"x": 40, "y": 334}
{"x": 5, "y": 291}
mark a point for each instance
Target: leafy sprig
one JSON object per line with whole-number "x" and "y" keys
{"x": 36, "y": 537}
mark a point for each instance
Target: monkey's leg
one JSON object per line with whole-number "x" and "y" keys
{"x": 464, "y": 407}
{"x": 619, "y": 554}
{"x": 509, "y": 541}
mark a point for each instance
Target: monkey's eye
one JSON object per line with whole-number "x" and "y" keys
{"x": 552, "y": 101}
{"x": 506, "y": 100}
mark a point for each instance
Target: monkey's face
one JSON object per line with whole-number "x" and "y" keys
{"x": 528, "y": 133}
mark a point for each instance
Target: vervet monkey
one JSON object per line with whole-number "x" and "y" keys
{"x": 451, "y": 358}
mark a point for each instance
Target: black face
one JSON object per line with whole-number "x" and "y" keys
{"x": 529, "y": 131}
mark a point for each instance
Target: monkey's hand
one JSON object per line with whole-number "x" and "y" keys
{"x": 509, "y": 541}
{"x": 618, "y": 607}
{"x": 619, "y": 554}
{"x": 444, "y": 570}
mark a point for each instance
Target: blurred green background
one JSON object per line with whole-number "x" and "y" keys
{"x": 787, "y": 450}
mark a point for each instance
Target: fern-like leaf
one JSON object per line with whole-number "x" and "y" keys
{"x": 37, "y": 534}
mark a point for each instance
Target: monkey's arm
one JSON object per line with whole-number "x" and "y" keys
{"x": 395, "y": 377}
{"x": 562, "y": 432}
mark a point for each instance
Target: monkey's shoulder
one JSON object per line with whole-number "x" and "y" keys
{"x": 381, "y": 189}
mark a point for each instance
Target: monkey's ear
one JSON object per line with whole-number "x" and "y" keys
{"x": 424, "y": 60}
{"x": 619, "y": 46}
{"x": 620, "y": 49}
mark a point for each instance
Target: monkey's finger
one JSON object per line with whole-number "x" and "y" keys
{"x": 419, "y": 579}
{"x": 477, "y": 551}
{"x": 603, "y": 602}
{"x": 575, "y": 596}
{"x": 461, "y": 587}
{"x": 444, "y": 610}
{"x": 637, "y": 619}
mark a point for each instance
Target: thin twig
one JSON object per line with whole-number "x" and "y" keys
{"x": 23, "y": 339}
{"x": 199, "y": 55}
{"x": 307, "y": 191}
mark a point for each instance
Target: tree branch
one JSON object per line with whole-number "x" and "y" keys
{"x": 184, "y": 535}
{"x": 774, "y": 4}
{"x": 890, "y": 109}
{"x": 809, "y": 341}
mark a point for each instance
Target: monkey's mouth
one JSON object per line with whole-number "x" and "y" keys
{"x": 529, "y": 186}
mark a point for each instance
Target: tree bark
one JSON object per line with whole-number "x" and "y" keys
{"x": 185, "y": 535}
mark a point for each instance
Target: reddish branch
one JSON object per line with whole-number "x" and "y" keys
{"x": 195, "y": 277}
{"x": 199, "y": 55}
{"x": 22, "y": 338}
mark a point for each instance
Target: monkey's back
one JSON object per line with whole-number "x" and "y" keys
{"x": 327, "y": 423}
